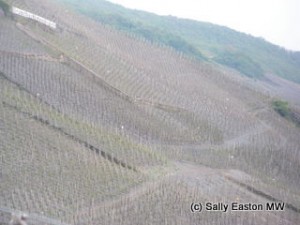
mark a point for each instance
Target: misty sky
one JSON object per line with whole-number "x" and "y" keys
{"x": 277, "y": 21}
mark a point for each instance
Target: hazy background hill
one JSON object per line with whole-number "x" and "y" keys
{"x": 251, "y": 56}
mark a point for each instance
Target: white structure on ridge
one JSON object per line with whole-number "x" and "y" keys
{"x": 32, "y": 16}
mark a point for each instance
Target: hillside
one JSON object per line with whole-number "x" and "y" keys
{"x": 101, "y": 127}
{"x": 253, "y": 57}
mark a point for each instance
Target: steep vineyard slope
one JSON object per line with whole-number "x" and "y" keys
{"x": 99, "y": 127}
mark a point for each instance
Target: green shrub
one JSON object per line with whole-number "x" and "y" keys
{"x": 282, "y": 107}
{"x": 5, "y": 7}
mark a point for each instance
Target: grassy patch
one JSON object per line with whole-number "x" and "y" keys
{"x": 281, "y": 107}
{"x": 5, "y": 7}
{"x": 284, "y": 110}
{"x": 241, "y": 62}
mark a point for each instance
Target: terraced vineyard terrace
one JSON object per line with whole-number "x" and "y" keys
{"x": 31, "y": 160}
{"x": 25, "y": 43}
{"x": 157, "y": 90}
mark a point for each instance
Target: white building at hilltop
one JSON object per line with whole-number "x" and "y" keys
{"x": 32, "y": 16}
